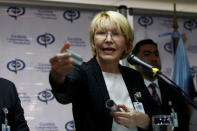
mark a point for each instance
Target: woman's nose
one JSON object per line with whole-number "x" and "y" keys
{"x": 109, "y": 36}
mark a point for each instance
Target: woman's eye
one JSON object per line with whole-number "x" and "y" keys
{"x": 115, "y": 33}
{"x": 101, "y": 33}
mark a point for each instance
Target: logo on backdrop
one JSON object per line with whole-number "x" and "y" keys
{"x": 15, "y": 12}
{"x": 24, "y": 97}
{"x": 46, "y": 14}
{"x": 71, "y": 15}
{"x": 167, "y": 23}
{"x": 45, "y": 39}
{"x": 45, "y": 96}
{"x": 190, "y": 24}
{"x": 168, "y": 47}
{"x": 145, "y": 21}
{"x": 43, "y": 67}
{"x": 16, "y": 65}
{"x": 47, "y": 126}
{"x": 76, "y": 41}
{"x": 70, "y": 126}
{"x": 19, "y": 39}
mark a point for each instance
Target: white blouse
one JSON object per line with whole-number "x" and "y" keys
{"x": 119, "y": 94}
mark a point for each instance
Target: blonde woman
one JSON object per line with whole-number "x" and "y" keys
{"x": 88, "y": 86}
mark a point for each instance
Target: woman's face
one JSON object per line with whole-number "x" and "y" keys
{"x": 109, "y": 44}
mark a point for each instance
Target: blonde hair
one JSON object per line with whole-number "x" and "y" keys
{"x": 121, "y": 24}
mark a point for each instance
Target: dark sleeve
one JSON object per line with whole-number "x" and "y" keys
{"x": 16, "y": 117}
{"x": 66, "y": 92}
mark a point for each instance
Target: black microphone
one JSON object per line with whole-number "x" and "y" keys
{"x": 134, "y": 60}
{"x": 110, "y": 104}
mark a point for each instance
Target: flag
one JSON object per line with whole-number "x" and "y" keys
{"x": 182, "y": 74}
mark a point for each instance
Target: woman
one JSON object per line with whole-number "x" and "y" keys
{"x": 88, "y": 86}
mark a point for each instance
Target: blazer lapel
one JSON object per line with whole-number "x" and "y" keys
{"x": 164, "y": 94}
{"x": 100, "y": 86}
{"x": 130, "y": 87}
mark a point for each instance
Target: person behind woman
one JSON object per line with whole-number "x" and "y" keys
{"x": 165, "y": 96}
{"x": 11, "y": 110}
{"x": 88, "y": 86}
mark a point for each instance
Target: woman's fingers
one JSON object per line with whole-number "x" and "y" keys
{"x": 126, "y": 109}
{"x": 65, "y": 47}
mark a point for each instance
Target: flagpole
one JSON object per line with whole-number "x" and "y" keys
{"x": 175, "y": 38}
{"x": 175, "y": 30}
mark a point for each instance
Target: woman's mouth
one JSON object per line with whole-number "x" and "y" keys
{"x": 108, "y": 50}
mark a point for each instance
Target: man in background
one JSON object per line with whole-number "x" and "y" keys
{"x": 165, "y": 97}
{"x": 11, "y": 111}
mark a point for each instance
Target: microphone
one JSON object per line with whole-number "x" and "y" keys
{"x": 110, "y": 104}
{"x": 134, "y": 60}
{"x": 78, "y": 60}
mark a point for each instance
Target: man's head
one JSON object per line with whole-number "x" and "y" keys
{"x": 147, "y": 51}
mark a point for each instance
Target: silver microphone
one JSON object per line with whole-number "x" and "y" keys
{"x": 5, "y": 110}
{"x": 78, "y": 60}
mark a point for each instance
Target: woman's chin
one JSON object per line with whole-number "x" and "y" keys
{"x": 108, "y": 58}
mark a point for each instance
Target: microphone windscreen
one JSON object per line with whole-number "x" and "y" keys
{"x": 133, "y": 60}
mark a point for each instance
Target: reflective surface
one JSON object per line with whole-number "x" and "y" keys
{"x": 162, "y": 123}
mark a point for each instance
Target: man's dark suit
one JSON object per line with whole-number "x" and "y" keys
{"x": 9, "y": 99}
{"x": 85, "y": 88}
{"x": 168, "y": 93}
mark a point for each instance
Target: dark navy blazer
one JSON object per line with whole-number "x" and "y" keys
{"x": 85, "y": 88}
{"x": 170, "y": 93}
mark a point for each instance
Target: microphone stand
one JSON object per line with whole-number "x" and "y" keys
{"x": 177, "y": 89}
{"x": 134, "y": 60}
